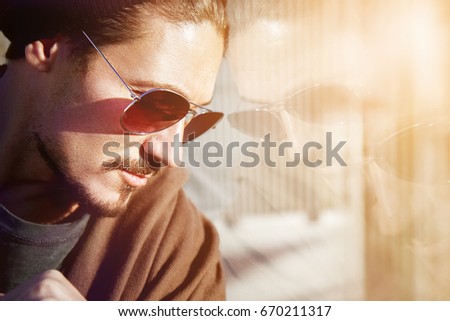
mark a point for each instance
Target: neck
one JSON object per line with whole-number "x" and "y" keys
{"x": 38, "y": 203}
{"x": 28, "y": 187}
{"x": 12, "y": 122}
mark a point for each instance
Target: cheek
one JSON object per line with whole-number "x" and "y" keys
{"x": 100, "y": 117}
{"x": 84, "y": 151}
{"x": 77, "y": 134}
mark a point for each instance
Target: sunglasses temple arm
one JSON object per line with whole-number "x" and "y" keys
{"x": 133, "y": 95}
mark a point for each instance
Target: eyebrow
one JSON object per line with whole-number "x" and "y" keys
{"x": 137, "y": 85}
{"x": 147, "y": 84}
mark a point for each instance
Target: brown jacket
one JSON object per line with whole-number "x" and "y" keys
{"x": 162, "y": 248}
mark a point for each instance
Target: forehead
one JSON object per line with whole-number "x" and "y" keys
{"x": 185, "y": 56}
{"x": 345, "y": 43}
{"x": 271, "y": 59}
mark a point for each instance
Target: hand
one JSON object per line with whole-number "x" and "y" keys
{"x": 47, "y": 286}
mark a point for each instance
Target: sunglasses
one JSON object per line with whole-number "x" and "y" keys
{"x": 159, "y": 108}
{"x": 419, "y": 153}
{"x": 322, "y": 104}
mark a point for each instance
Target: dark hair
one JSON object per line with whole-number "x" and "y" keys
{"x": 106, "y": 21}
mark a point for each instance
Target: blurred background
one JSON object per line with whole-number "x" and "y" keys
{"x": 374, "y": 74}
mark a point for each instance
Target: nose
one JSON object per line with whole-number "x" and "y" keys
{"x": 164, "y": 147}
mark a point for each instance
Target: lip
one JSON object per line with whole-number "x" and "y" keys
{"x": 133, "y": 179}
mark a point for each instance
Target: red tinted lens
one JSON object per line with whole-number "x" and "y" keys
{"x": 200, "y": 125}
{"x": 155, "y": 111}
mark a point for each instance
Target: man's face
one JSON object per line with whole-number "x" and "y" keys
{"x": 79, "y": 131}
{"x": 393, "y": 58}
{"x": 292, "y": 55}
{"x": 272, "y": 59}
{"x": 396, "y": 57}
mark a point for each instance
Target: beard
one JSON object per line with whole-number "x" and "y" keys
{"x": 98, "y": 208}
{"x": 89, "y": 202}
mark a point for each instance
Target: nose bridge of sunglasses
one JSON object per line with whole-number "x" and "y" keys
{"x": 189, "y": 116}
{"x": 194, "y": 111}
{"x": 247, "y": 105}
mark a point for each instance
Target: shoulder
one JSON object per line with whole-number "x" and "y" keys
{"x": 162, "y": 248}
{"x": 179, "y": 246}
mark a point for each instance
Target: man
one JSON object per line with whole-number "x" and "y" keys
{"x": 92, "y": 207}
{"x": 278, "y": 49}
{"x": 376, "y": 76}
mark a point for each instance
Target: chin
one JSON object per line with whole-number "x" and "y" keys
{"x": 111, "y": 205}
{"x": 104, "y": 197}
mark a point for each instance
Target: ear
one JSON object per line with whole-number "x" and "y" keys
{"x": 41, "y": 54}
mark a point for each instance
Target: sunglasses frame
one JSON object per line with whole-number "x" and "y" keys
{"x": 194, "y": 109}
{"x": 278, "y": 106}
{"x": 378, "y": 157}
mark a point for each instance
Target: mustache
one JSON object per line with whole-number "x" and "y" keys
{"x": 133, "y": 166}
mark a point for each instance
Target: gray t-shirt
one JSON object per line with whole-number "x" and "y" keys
{"x": 27, "y": 249}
